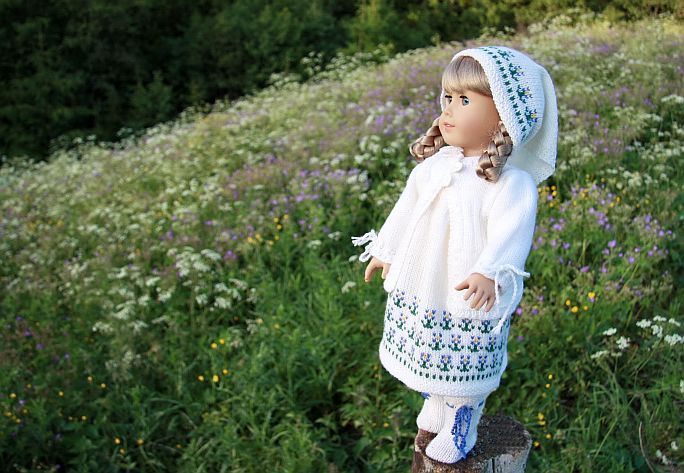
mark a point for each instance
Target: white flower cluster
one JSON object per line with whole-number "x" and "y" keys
{"x": 656, "y": 330}
{"x": 657, "y": 327}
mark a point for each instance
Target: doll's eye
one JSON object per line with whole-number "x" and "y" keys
{"x": 465, "y": 100}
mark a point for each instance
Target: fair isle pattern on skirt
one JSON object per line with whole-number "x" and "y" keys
{"x": 434, "y": 345}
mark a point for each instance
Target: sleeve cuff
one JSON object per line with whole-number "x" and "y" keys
{"x": 501, "y": 274}
{"x": 375, "y": 247}
{"x": 504, "y": 277}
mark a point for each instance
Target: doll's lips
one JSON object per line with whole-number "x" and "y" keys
{"x": 448, "y": 125}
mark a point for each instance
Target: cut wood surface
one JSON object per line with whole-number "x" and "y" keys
{"x": 502, "y": 446}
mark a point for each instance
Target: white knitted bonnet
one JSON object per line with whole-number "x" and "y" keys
{"x": 525, "y": 98}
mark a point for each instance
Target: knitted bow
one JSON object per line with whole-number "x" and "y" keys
{"x": 506, "y": 269}
{"x": 370, "y": 236}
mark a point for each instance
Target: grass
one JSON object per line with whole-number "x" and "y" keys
{"x": 190, "y": 300}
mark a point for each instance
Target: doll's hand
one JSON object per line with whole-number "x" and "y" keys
{"x": 373, "y": 265}
{"x": 483, "y": 289}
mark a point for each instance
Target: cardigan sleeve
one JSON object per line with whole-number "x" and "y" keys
{"x": 383, "y": 245}
{"x": 510, "y": 229}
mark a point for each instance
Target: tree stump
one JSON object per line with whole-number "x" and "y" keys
{"x": 502, "y": 446}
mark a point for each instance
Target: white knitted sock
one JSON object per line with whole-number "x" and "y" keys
{"x": 431, "y": 416}
{"x": 459, "y": 431}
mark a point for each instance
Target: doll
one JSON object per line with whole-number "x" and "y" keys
{"x": 453, "y": 249}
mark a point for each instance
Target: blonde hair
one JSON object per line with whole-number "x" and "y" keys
{"x": 465, "y": 73}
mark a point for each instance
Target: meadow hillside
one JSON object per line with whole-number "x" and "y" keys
{"x": 191, "y": 301}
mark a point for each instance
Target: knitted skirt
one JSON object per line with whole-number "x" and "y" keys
{"x": 432, "y": 350}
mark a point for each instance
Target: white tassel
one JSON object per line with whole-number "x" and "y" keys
{"x": 506, "y": 269}
{"x": 369, "y": 237}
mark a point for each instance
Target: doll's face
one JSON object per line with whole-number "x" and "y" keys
{"x": 468, "y": 121}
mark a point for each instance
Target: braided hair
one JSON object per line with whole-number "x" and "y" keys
{"x": 465, "y": 73}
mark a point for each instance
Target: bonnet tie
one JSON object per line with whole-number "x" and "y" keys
{"x": 506, "y": 269}
{"x": 370, "y": 236}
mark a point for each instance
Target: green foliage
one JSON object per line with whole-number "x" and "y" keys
{"x": 110, "y": 69}
{"x": 188, "y": 299}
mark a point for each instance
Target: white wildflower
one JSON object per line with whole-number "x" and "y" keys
{"x": 659, "y": 318}
{"x": 599, "y": 354}
{"x": 674, "y": 446}
{"x": 138, "y": 325}
{"x": 165, "y": 296}
{"x": 124, "y": 313}
{"x": 200, "y": 266}
{"x": 220, "y": 287}
{"x": 674, "y": 339}
{"x": 152, "y": 281}
{"x": 102, "y": 327}
{"x": 242, "y": 285}
{"x": 335, "y": 235}
{"x": 622, "y": 343}
{"x": 662, "y": 457}
{"x": 348, "y": 285}
{"x": 201, "y": 299}
{"x": 609, "y": 332}
{"x": 160, "y": 319}
{"x": 657, "y": 331}
{"x": 211, "y": 254}
{"x": 677, "y": 99}
{"x": 674, "y": 322}
{"x": 644, "y": 323}
{"x": 222, "y": 303}
{"x": 313, "y": 244}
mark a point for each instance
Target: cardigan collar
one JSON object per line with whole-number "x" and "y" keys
{"x": 456, "y": 153}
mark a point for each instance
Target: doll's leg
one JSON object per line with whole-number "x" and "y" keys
{"x": 459, "y": 432}
{"x": 431, "y": 416}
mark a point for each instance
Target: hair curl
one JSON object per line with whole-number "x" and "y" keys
{"x": 465, "y": 73}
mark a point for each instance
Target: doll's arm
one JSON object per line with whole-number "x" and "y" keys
{"x": 383, "y": 245}
{"x": 510, "y": 229}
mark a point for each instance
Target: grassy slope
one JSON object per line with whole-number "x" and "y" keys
{"x": 193, "y": 299}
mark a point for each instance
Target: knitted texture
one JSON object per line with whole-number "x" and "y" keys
{"x": 458, "y": 433}
{"x": 431, "y": 417}
{"x": 525, "y": 98}
{"x": 447, "y": 224}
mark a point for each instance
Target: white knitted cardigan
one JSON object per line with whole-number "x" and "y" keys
{"x": 447, "y": 224}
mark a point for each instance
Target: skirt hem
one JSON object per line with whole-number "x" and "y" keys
{"x": 438, "y": 386}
